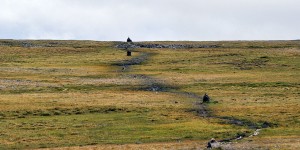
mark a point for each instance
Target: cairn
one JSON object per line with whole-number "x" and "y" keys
{"x": 206, "y": 98}
{"x": 129, "y": 40}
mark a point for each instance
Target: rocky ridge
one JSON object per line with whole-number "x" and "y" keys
{"x": 131, "y": 45}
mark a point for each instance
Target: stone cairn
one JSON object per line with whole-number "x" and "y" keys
{"x": 127, "y": 48}
{"x": 206, "y": 98}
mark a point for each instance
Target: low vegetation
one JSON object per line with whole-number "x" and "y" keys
{"x": 78, "y": 93}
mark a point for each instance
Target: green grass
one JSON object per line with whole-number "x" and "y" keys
{"x": 69, "y": 93}
{"x": 107, "y": 128}
{"x": 257, "y": 84}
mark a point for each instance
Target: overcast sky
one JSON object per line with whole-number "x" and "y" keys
{"x": 144, "y": 20}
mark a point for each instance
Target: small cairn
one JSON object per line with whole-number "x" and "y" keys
{"x": 128, "y": 51}
{"x": 129, "y": 40}
{"x": 206, "y": 98}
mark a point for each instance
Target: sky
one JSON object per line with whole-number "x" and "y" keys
{"x": 150, "y": 20}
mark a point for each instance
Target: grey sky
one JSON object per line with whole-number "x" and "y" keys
{"x": 142, "y": 20}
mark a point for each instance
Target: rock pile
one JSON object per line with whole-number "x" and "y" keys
{"x": 213, "y": 144}
{"x": 206, "y": 98}
{"x": 129, "y": 40}
{"x": 170, "y": 46}
{"x": 27, "y": 44}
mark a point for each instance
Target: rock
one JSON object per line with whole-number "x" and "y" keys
{"x": 256, "y": 133}
{"x": 213, "y": 144}
{"x": 267, "y": 124}
{"x": 130, "y": 44}
{"x": 206, "y": 98}
{"x": 129, "y": 40}
{"x": 208, "y": 145}
{"x": 128, "y": 53}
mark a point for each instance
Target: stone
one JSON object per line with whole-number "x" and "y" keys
{"x": 130, "y": 44}
{"x": 206, "y": 98}
{"x": 213, "y": 144}
{"x": 128, "y": 53}
{"x": 129, "y": 40}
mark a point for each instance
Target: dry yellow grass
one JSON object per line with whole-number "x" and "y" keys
{"x": 34, "y": 101}
{"x": 72, "y": 94}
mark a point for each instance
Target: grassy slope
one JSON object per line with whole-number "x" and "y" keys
{"x": 70, "y": 94}
{"x": 258, "y": 84}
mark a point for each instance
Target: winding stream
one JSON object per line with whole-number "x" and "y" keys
{"x": 156, "y": 85}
